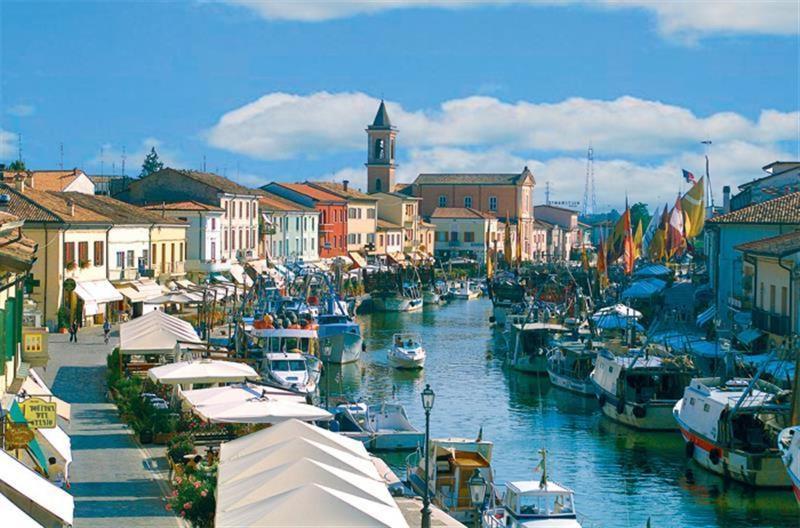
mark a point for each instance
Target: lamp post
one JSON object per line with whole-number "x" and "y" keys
{"x": 477, "y": 494}
{"x": 326, "y": 352}
{"x": 428, "y": 397}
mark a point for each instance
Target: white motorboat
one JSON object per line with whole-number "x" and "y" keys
{"x": 407, "y": 299}
{"x": 465, "y": 290}
{"x": 533, "y": 504}
{"x": 292, "y": 370}
{"x": 789, "y": 446}
{"x": 639, "y": 390}
{"x": 731, "y": 428}
{"x": 381, "y": 427}
{"x": 406, "y": 352}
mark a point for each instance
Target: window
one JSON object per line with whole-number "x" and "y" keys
{"x": 83, "y": 252}
{"x": 784, "y": 297}
{"x": 131, "y": 259}
{"x": 305, "y": 223}
{"x": 313, "y": 244}
{"x": 378, "y": 185}
{"x": 493, "y": 203}
{"x": 120, "y": 259}
{"x": 224, "y": 205}
{"x": 181, "y": 254}
{"x": 380, "y": 240}
{"x": 241, "y": 238}
{"x": 213, "y": 255}
{"x": 772, "y": 298}
{"x": 247, "y": 211}
{"x": 442, "y": 201}
{"x": 255, "y": 213}
{"x": 240, "y": 209}
{"x": 691, "y": 401}
{"x": 440, "y": 236}
{"x": 454, "y": 236}
{"x": 391, "y": 153}
{"x": 351, "y": 212}
{"x": 371, "y": 213}
{"x": 380, "y": 149}
{"x": 706, "y": 407}
{"x": 69, "y": 253}
{"x": 225, "y": 239}
{"x": 370, "y": 238}
{"x": 99, "y": 253}
{"x": 172, "y": 253}
{"x": 468, "y": 201}
{"x": 253, "y": 238}
{"x": 280, "y": 247}
{"x": 153, "y": 255}
{"x": 163, "y": 257}
{"x": 213, "y": 224}
{"x": 297, "y": 223}
{"x": 305, "y": 244}
{"x": 351, "y": 238}
{"x": 145, "y": 257}
{"x": 312, "y": 223}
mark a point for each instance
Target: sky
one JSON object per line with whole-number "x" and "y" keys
{"x": 282, "y": 91}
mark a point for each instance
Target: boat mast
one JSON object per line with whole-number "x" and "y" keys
{"x": 543, "y": 466}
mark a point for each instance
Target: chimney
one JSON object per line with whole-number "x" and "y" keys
{"x": 71, "y": 205}
{"x": 19, "y": 183}
{"x": 726, "y": 199}
{"x": 163, "y": 209}
{"x": 345, "y": 183}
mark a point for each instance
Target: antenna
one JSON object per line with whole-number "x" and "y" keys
{"x": 123, "y": 160}
{"x": 102, "y": 159}
{"x": 588, "y": 189}
{"x": 62, "y": 155}
{"x": 707, "y": 143}
{"x": 547, "y": 192}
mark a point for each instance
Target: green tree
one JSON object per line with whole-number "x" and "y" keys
{"x": 639, "y": 212}
{"x": 151, "y": 164}
{"x": 17, "y": 165}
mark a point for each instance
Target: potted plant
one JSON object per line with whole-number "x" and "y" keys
{"x": 179, "y": 446}
{"x": 63, "y": 319}
{"x": 194, "y": 500}
{"x": 71, "y": 265}
{"x": 85, "y": 264}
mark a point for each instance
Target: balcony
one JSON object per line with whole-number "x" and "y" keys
{"x": 454, "y": 243}
{"x": 773, "y": 323}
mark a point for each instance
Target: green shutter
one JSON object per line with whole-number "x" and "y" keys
{"x": 10, "y": 333}
{"x": 2, "y": 340}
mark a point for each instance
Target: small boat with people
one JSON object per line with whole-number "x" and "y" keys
{"x": 732, "y": 427}
{"x": 452, "y": 462}
{"x": 406, "y": 352}
{"x": 292, "y": 370}
{"x": 380, "y": 427}
{"x": 789, "y": 447}
{"x": 533, "y": 504}
{"x": 641, "y": 388}
{"x": 570, "y": 365}
{"x": 529, "y": 345}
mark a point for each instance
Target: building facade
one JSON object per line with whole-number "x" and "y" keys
{"x": 290, "y": 231}
{"x": 362, "y": 214}
{"x": 464, "y": 233}
{"x": 569, "y": 236}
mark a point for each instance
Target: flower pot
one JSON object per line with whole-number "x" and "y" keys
{"x": 62, "y": 330}
{"x": 146, "y": 437}
{"x": 163, "y": 438}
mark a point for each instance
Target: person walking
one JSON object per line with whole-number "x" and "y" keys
{"x": 106, "y": 330}
{"x": 73, "y": 332}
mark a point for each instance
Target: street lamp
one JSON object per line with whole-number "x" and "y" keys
{"x": 326, "y": 352}
{"x": 428, "y": 397}
{"x": 477, "y": 493}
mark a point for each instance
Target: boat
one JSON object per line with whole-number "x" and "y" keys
{"x": 508, "y": 296}
{"x": 465, "y": 290}
{"x": 432, "y": 295}
{"x": 407, "y": 299}
{"x": 640, "y": 389}
{"x": 452, "y": 462}
{"x": 343, "y": 335}
{"x": 533, "y": 504}
{"x": 292, "y": 370}
{"x": 570, "y": 365}
{"x": 406, "y": 352}
{"x": 529, "y": 344}
{"x": 731, "y": 428}
{"x": 381, "y": 427}
{"x": 789, "y": 446}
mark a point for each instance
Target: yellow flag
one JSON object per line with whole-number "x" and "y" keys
{"x": 519, "y": 241}
{"x": 694, "y": 210}
{"x": 507, "y": 242}
{"x": 637, "y": 240}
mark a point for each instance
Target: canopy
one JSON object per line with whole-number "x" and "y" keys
{"x": 94, "y": 293}
{"x": 653, "y": 270}
{"x": 35, "y": 386}
{"x": 617, "y": 322}
{"x": 261, "y": 411}
{"x": 155, "y": 333}
{"x": 59, "y": 444}
{"x": 618, "y": 309}
{"x": 202, "y": 371}
{"x": 14, "y": 516}
{"x": 644, "y": 289}
{"x": 37, "y": 489}
{"x": 238, "y": 274}
{"x": 707, "y": 315}
{"x": 288, "y": 430}
{"x": 356, "y": 257}
{"x": 747, "y": 336}
{"x": 175, "y": 297}
{"x": 234, "y": 394}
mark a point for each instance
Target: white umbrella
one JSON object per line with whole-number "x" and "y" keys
{"x": 618, "y": 309}
{"x": 174, "y": 297}
{"x": 234, "y": 394}
{"x": 261, "y": 411}
{"x": 202, "y": 371}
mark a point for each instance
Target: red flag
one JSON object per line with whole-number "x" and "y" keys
{"x": 602, "y": 264}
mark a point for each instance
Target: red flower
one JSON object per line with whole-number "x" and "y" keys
{"x": 168, "y": 506}
{"x": 187, "y": 505}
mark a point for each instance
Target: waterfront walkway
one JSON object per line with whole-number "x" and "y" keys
{"x": 114, "y": 481}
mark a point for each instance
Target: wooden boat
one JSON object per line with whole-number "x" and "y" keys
{"x": 528, "y": 345}
{"x": 731, "y": 428}
{"x": 570, "y": 365}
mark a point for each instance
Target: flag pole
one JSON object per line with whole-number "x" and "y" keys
{"x": 707, "y": 142}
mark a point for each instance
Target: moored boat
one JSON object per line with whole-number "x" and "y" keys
{"x": 343, "y": 335}
{"x": 789, "y": 446}
{"x": 529, "y": 344}
{"x": 407, "y": 299}
{"x": 381, "y": 427}
{"x": 570, "y": 365}
{"x": 292, "y": 370}
{"x": 465, "y": 290}
{"x": 507, "y": 295}
{"x": 731, "y": 428}
{"x": 406, "y": 352}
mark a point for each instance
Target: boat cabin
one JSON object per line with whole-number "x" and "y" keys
{"x": 641, "y": 378}
{"x": 454, "y": 462}
{"x": 535, "y": 338}
{"x": 269, "y": 340}
{"x": 528, "y": 500}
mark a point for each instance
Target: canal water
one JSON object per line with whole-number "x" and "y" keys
{"x": 620, "y": 476}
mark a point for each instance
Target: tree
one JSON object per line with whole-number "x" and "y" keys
{"x": 17, "y": 165}
{"x": 151, "y": 164}
{"x": 639, "y": 212}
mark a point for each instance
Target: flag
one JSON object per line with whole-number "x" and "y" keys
{"x": 616, "y": 244}
{"x": 676, "y": 240}
{"x": 489, "y": 270}
{"x": 657, "y": 248}
{"x": 694, "y": 210}
{"x": 602, "y": 264}
{"x": 688, "y": 176}
{"x": 628, "y": 250}
{"x": 650, "y": 231}
{"x": 519, "y": 242}
{"x": 507, "y": 242}
{"x": 638, "y": 237}
{"x": 584, "y": 258}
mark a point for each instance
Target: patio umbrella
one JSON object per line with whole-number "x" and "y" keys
{"x": 233, "y": 394}
{"x": 261, "y": 411}
{"x": 174, "y": 297}
{"x": 618, "y": 309}
{"x": 202, "y": 371}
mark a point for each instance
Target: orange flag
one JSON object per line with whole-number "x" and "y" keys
{"x": 628, "y": 249}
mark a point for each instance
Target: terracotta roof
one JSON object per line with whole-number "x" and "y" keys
{"x": 45, "y": 180}
{"x": 338, "y": 190}
{"x": 41, "y": 206}
{"x": 17, "y": 252}
{"x": 776, "y": 246}
{"x": 459, "y": 212}
{"x": 383, "y": 225}
{"x": 782, "y": 210}
{"x": 549, "y": 206}
{"x": 215, "y": 181}
{"x": 471, "y": 178}
{"x": 268, "y": 201}
{"x": 188, "y": 205}
{"x": 402, "y": 196}
{"x": 315, "y": 194}
{"x": 543, "y": 224}
{"x": 117, "y": 211}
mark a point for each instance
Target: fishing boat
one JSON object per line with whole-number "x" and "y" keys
{"x": 639, "y": 389}
{"x": 465, "y": 290}
{"x": 508, "y": 296}
{"x": 292, "y": 370}
{"x": 789, "y": 446}
{"x": 452, "y": 462}
{"x": 381, "y": 427}
{"x": 406, "y": 352}
{"x": 529, "y": 344}
{"x": 343, "y": 335}
{"x": 407, "y": 299}
{"x": 570, "y": 365}
{"x": 431, "y": 296}
{"x": 533, "y": 504}
{"x": 731, "y": 428}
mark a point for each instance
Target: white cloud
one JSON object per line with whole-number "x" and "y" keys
{"x": 681, "y": 18}
{"x": 21, "y": 110}
{"x": 110, "y": 156}
{"x": 8, "y": 144}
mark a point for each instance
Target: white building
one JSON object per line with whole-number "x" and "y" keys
{"x": 290, "y": 231}
{"x": 462, "y": 232}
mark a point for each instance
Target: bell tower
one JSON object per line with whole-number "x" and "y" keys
{"x": 381, "y": 137}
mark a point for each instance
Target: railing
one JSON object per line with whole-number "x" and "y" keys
{"x": 773, "y": 323}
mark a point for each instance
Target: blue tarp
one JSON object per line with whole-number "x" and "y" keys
{"x": 644, "y": 289}
{"x": 617, "y": 322}
{"x": 653, "y": 270}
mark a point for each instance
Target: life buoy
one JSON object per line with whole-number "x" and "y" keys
{"x": 312, "y": 300}
{"x": 688, "y": 449}
{"x": 714, "y": 455}
{"x": 620, "y": 406}
{"x": 601, "y": 400}
{"x": 639, "y": 411}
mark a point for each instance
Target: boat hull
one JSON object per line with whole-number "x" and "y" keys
{"x": 345, "y": 347}
{"x": 389, "y": 441}
{"x": 657, "y": 414}
{"x": 430, "y": 297}
{"x": 582, "y": 387}
{"x": 401, "y": 362}
{"x": 398, "y": 304}
{"x": 530, "y": 364}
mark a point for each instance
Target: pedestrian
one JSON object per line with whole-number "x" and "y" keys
{"x": 106, "y": 330}
{"x": 56, "y": 472}
{"x": 73, "y": 332}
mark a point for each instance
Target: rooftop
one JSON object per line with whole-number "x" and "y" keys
{"x": 45, "y": 180}
{"x": 782, "y": 210}
{"x": 459, "y": 212}
{"x": 472, "y": 178}
{"x": 385, "y": 226}
{"x": 17, "y": 252}
{"x": 777, "y": 246}
{"x": 268, "y": 201}
{"x": 117, "y": 211}
{"x": 381, "y": 118}
{"x": 215, "y": 181}
{"x": 312, "y": 192}
{"x": 40, "y": 206}
{"x": 187, "y": 205}
{"x": 339, "y": 190}
{"x": 556, "y": 207}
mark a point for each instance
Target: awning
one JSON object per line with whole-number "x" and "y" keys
{"x": 238, "y": 274}
{"x": 236, "y": 393}
{"x": 35, "y": 386}
{"x": 202, "y": 371}
{"x": 58, "y": 443}
{"x": 358, "y": 259}
{"x": 155, "y": 333}
{"x": 707, "y": 315}
{"x": 185, "y": 283}
{"x": 96, "y": 292}
{"x": 653, "y": 270}
{"x": 747, "y": 336}
{"x": 14, "y": 516}
{"x": 644, "y": 289}
{"x": 132, "y": 294}
{"x": 54, "y": 500}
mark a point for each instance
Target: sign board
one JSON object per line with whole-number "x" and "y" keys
{"x": 38, "y": 413}
{"x": 34, "y": 346}
{"x": 17, "y": 435}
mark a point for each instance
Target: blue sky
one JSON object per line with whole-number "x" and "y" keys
{"x": 283, "y": 91}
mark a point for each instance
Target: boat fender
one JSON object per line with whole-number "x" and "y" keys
{"x": 639, "y": 411}
{"x": 620, "y": 406}
{"x": 601, "y": 400}
{"x": 714, "y": 455}
{"x": 363, "y": 347}
{"x": 492, "y": 319}
{"x": 689, "y": 449}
